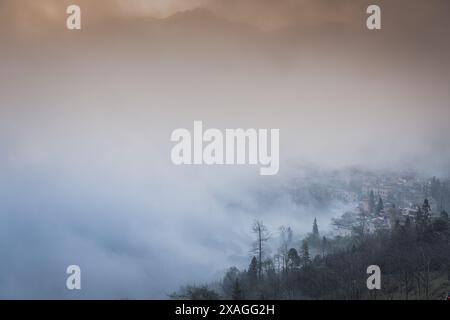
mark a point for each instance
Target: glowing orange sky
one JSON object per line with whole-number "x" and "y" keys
{"x": 268, "y": 14}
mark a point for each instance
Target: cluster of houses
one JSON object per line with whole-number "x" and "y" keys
{"x": 353, "y": 187}
{"x": 385, "y": 218}
{"x": 399, "y": 195}
{"x": 405, "y": 191}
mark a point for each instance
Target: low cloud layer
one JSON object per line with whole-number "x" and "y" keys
{"x": 85, "y": 123}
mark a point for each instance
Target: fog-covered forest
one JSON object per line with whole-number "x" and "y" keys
{"x": 413, "y": 253}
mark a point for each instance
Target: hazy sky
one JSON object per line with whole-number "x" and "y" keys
{"x": 86, "y": 117}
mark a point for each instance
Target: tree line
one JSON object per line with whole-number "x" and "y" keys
{"x": 414, "y": 258}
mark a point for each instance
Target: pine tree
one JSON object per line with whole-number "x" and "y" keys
{"x": 293, "y": 259}
{"x": 423, "y": 218}
{"x": 380, "y": 206}
{"x": 253, "y": 271}
{"x": 426, "y": 208}
{"x": 306, "y": 259}
{"x": 315, "y": 229}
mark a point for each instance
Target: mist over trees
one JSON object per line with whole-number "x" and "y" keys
{"x": 413, "y": 254}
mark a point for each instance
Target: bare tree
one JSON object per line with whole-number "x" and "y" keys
{"x": 262, "y": 236}
{"x": 286, "y": 242}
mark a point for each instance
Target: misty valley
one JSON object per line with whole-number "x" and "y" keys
{"x": 399, "y": 227}
{"x": 214, "y": 149}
